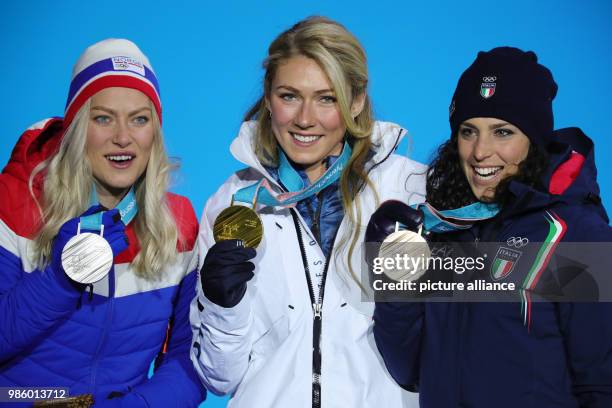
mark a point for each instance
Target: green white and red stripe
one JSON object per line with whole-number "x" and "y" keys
{"x": 501, "y": 268}
{"x": 556, "y": 230}
{"x": 486, "y": 92}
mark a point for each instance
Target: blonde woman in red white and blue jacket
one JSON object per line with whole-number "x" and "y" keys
{"x": 63, "y": 177}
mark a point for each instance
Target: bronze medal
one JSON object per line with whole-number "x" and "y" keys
{"x": 239, "y": 222}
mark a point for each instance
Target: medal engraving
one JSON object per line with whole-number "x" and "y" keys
{"x": 87, "y": 258}
{"x": 239, "y": 222}
{"x": 410, "y": 250}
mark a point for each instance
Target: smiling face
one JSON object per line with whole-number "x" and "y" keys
{"x": 120, "y": 135}
{"x": 489, "y": 151}
{"x": 305, "y": 117}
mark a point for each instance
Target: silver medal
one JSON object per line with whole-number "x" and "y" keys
{"x": 411, "y": 249}
{"x": 87, "y": 257}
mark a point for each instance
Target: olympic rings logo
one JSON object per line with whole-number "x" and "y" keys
{"x": 517, "y": 242}
{"x": 489, "y": 79}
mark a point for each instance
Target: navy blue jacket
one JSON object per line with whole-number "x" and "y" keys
{"x": 513, "y": 354}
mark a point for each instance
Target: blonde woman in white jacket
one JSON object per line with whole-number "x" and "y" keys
{"x": 287, "y": 325}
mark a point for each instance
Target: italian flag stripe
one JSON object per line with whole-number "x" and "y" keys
{"x": 501, "y": 268}
{"x": 496, "y": 267}
{"x": 507, "y": 267}
{"x": 557, "y": 229}
{"x": 528, "y": 310}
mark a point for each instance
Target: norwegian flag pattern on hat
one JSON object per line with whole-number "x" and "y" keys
{"x": 106, "y": 64}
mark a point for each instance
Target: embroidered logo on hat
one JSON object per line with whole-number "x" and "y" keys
{"x": 128, "y": 64}
{"x": 451, "y": 109}
{"x": 487, "y": 88}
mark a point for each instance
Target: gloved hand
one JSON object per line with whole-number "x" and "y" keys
{"x": 114, "y": 233}
{"x": 226, "y": 271}
{"x": 382, "y": 222}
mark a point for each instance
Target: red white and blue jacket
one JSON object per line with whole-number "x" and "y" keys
{"x": 523, "y": 353}
{"x": 52, "y": 335}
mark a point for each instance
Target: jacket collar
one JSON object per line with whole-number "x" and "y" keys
{"x": 386, "y": 137}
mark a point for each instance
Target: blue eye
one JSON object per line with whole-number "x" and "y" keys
{"x": 141, "y": 120}
{"x": 328, "y": 99}
{"x": 288, "y": 97}
{"x": 102, "y": 119}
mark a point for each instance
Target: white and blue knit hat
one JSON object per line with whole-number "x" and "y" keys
{"x": 110, "y": 63}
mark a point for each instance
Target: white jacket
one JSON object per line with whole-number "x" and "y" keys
{"x": 261, "y": 350}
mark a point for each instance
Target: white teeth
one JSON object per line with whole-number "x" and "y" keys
{"x": 487, "y": 172}
{"x": 304, "y": 139}
{"x": 120, "y": 158}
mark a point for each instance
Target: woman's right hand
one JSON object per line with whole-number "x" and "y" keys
{"x": 114, "y": 234}
{"x": 226, "y": 271}
{"x": 384, "y": 220}
{"x": 390, "y": 217}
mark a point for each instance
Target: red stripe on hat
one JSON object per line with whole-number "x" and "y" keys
{"x": 110, "y": 81}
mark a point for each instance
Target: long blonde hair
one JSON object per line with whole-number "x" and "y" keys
{"x": 343, "y": 59}
{"x": 67, "y": 188}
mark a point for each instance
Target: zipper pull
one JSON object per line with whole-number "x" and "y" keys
{"x": 316, "y": 307}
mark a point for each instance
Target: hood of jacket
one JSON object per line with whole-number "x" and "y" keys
{"x": 39, "y": 142}
{"x": 571, "y": 176}
{"x": 19, "y": 211}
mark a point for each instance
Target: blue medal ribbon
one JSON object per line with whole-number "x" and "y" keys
{"x": 457, "y": 218}
{"x": 127, "y": 209}
{"x": 291, "y": 179}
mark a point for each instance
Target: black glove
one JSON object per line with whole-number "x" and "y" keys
{"x": 226, "y": 271}
{"x": 382, "y": 222}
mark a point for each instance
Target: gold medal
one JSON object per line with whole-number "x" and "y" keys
{"x": 239, "y": 222}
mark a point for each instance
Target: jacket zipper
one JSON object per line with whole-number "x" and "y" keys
{"x": 317, "y": 316}
{"x": 105, "y": 329}
{"x": 316, "y": 216}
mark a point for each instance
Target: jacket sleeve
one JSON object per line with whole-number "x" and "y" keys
{"x": 222, "y": 340}
{"x": 398, "y": 330}
{"x": 32, "y": 302}
{"x": 587, "y": 329}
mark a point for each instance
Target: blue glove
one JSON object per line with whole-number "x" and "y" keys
{"x": 114, "y": 233}
{"x": 226, "y": 271}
